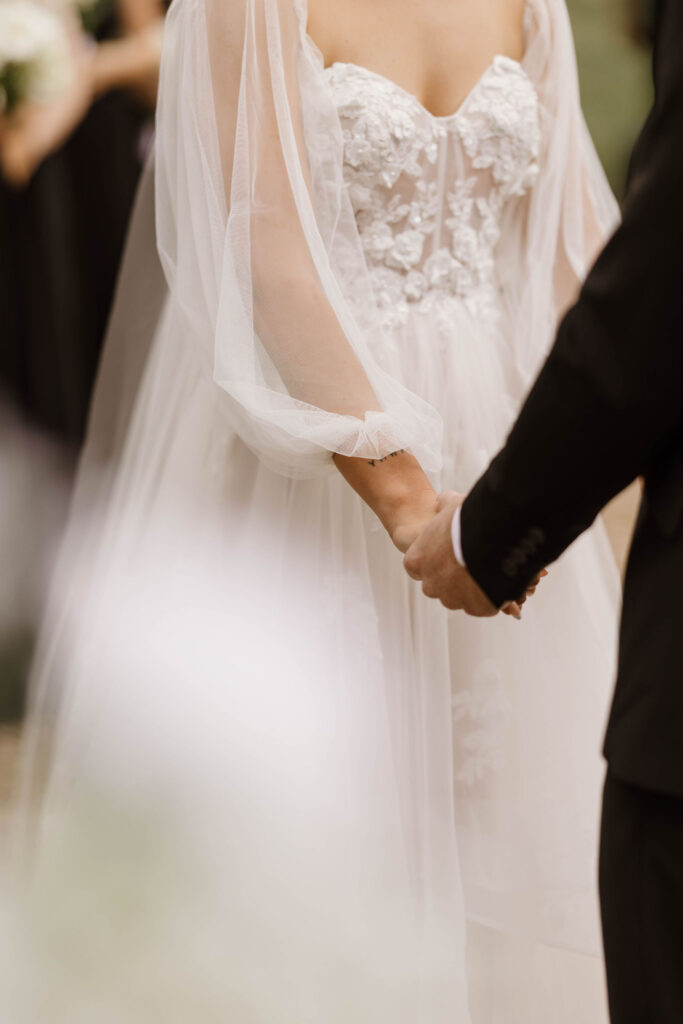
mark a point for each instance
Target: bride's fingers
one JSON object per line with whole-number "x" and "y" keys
{"x": 513, "y": 608}
{"x": 533, "y": 586}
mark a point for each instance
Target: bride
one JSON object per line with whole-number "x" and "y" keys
{"x": 370, "y": 217}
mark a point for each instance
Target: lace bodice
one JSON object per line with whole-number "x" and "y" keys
{"x": 429, "y": 192}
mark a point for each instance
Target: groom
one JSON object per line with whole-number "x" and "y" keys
{"x": 607, "y": 408}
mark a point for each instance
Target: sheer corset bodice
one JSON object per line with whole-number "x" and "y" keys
{"x": 429, "y": 193}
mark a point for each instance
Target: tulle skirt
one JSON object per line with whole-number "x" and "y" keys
{"x": 283, "y": 785}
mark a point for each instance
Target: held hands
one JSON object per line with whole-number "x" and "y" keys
{"x": 431, "y": 560}
{"x": 419, "y": 523}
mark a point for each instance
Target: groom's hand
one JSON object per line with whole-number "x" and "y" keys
{"x": 432, "y": 560}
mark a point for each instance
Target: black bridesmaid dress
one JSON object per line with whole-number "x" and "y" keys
{"x": 61, "y": 241}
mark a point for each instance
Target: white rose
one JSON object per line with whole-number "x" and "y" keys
{"x": 33, "y": 41}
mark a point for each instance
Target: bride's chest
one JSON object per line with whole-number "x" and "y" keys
{"x": 392, "y": 143}
{"x": 428, "y": 192}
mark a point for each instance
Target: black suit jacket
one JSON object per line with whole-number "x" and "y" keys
{"x": 607, "y": 408}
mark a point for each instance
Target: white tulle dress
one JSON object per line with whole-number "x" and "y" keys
{"x": 283, "y": 787}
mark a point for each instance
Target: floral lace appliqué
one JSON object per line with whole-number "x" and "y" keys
{"x": 429, "y": 192}
{"x": 480, "y": 717}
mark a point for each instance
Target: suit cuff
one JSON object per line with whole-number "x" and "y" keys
{"x": 456, "y": 536}
{"x": 502, "y": 552}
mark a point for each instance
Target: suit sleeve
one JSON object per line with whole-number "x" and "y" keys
{"x": 610, "y": 395}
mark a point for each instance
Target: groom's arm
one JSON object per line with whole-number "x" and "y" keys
{"x": 611, "y": 393}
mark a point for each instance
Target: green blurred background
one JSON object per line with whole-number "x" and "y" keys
{"x": 616, "y": 79}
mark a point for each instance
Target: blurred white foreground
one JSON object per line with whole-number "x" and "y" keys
{"x": 214, "y": 842}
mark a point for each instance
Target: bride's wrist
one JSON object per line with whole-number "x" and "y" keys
{"x": 397, "y": 509}
{"x": 405, "y": 518}
{"x": 395, "y": 488}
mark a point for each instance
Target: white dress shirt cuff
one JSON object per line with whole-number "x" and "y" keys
{"x": 456, "y": 536}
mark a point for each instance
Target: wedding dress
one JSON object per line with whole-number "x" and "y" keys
{"x": 320, "y": 797}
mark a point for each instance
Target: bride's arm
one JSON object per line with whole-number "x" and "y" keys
{"x": 397, "y": 491}
{"x": 288, "y": 346}
{"x": 303, "y": 337}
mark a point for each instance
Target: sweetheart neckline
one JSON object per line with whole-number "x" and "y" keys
{"x": 499, "y": 57}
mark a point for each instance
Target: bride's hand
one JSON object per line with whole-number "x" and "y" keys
{"x": 514, "y": 608}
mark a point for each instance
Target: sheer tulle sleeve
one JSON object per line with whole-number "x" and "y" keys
{"x": 571, "y": 210}
{"x": 548, "y": 244}
{"x": 259, "y": 243}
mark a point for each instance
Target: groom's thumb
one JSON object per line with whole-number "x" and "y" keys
{"x": 411, "y": 563}
{"x": 448, "y": 499}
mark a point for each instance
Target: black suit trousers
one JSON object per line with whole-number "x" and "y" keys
{"x": 641, "y": 890}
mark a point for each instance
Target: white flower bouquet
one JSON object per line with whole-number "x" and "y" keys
{"x": 35, "y": 58}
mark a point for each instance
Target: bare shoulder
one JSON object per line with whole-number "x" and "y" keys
{"x": 323, "y": 19}
{"x": 340, "y": 27}
{"x": 511, "y": 16}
